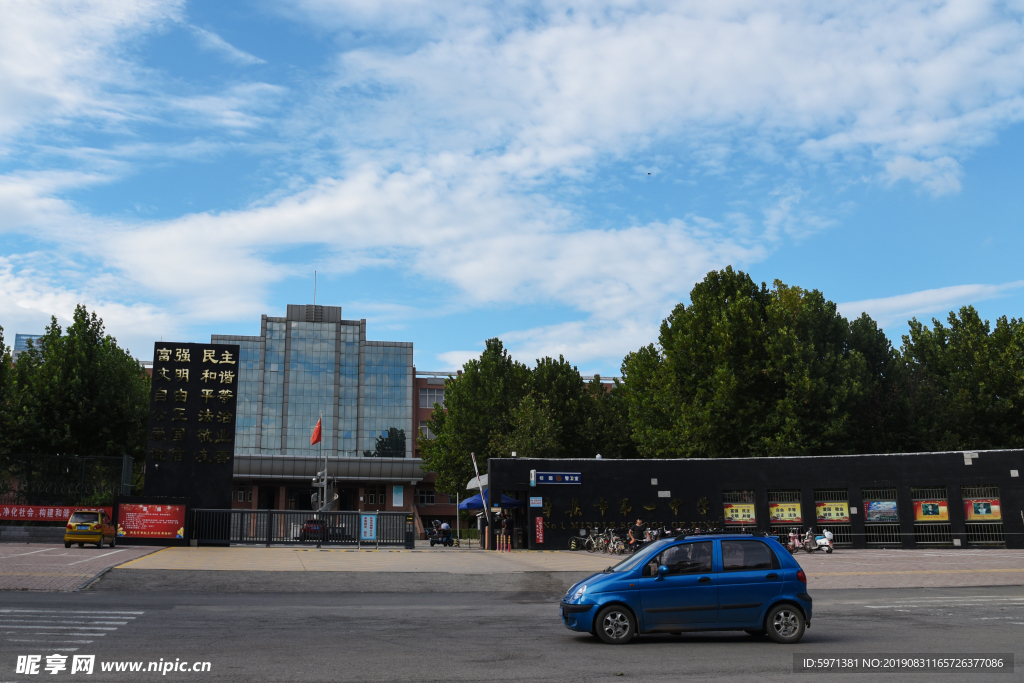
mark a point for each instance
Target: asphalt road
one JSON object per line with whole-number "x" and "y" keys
{"x": 480, "y": 636}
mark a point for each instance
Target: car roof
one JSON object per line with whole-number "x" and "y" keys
{"x": 730, "y": 537}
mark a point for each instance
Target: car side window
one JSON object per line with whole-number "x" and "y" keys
{"x": 747, "y": 556}
{"x": 688, "y": 558}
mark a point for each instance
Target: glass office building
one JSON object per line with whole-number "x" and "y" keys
{"x": 312, "y": 362}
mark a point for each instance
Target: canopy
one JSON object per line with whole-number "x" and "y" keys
{"x": 476, "y": 503}
{"x": 476, "y": 483}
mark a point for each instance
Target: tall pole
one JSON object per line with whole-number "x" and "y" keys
{"x": 314, "y": 288}
{"x": 487, "y": 508}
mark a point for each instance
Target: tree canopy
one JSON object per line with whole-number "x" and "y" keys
{"x": 76, "y": 392}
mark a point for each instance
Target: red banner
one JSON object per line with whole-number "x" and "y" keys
{"x": 151, "y": 521}
{"x": 538, "y": 525}
{"x": 45, "y": 513}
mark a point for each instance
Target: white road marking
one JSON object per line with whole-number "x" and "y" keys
{"x": 67, "y": 628}
{"x": 61, "y": 621}
{"x": 90, "y": 559}
{"x": 66, "y": 611}
{"x": 44, "y": 550}
{"x": 30, "y": 640}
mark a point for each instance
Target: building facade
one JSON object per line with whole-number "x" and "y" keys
{"x": 309, "y": 363}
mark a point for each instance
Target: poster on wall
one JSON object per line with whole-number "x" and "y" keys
{"x": 785, "y": 513}
{"x": 930, "y": 511}
{"x": 982, "y": 510}
{"x": 833, "y": 512}
{"x": 538, "y": 526}
{"x": 739, "y": 513}
{"x": 150, "y": 521}
{"x": 880, "y": 511}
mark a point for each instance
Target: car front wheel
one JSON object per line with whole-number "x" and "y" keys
{"x": 615, "y": 625}
{"x": 785, "y": 624}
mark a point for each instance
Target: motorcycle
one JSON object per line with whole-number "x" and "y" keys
{"x": 795, "y": 543}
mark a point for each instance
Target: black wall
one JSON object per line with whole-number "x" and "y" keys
{"x": 690, "y": 480}
{"x": 191, "y": 445}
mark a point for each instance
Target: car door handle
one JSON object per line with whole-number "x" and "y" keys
{"x": 704, "y": 579}
{"x": 772, "y": 576}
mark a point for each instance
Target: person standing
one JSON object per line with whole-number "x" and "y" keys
{"x": 637, "y": 534}
{"x": 505, "y": 544}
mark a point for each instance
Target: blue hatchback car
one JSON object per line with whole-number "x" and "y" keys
{"x": 719, "y": 582}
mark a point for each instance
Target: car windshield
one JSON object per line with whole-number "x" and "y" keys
{"x": 640, "y": 557}
{"x": 84, "y": 518}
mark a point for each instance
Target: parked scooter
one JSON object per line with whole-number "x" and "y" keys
{"x": 821, "y": 542}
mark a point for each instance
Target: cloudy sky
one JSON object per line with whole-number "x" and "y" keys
{"x": 558, "y": 174}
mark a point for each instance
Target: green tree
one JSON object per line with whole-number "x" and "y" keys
{"x": 78, "y": 394}
{"x": 534, "y": 433}
{"x": 609, "y": 421}
{"x": 572, "y": 409}
{"x": 744, "y": 370}
{"x": 478, "y": 412}
{"x": 968, "y": 382}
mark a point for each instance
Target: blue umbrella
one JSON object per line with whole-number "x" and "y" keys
{"x": 476, "y": 503}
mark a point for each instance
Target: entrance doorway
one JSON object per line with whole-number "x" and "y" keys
{"x": 266, "y": 497}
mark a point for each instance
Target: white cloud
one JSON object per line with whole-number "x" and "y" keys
{"x": 900, "y": 308}
{"x": 211, "y": 41}
{"x": 462, "y": 134}
{"x": 939, "y": 176}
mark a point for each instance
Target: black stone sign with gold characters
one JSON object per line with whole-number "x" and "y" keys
{"x": 191, "y": 442}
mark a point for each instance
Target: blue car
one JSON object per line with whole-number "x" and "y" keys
{"x": 713, "y": 582}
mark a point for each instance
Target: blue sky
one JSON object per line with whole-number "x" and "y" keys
{"x": 558, "y": 174}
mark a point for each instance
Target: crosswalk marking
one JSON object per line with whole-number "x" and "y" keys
{"x": 55, "y": 629}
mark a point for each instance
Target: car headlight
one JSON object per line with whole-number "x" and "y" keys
{"x": 578, "y": 595}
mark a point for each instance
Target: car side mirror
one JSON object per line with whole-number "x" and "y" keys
{"x": 662, "y": 571}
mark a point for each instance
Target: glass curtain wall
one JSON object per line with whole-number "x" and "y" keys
{"x": 273, "y": 389}
{"x": 348, "y": 391}
{"x": 249, "y": 369}
{"x": 387, "y": 394}
{"x": 310, "y": 386}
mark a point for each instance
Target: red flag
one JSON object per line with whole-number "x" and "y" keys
{"x": 316, "y": 434}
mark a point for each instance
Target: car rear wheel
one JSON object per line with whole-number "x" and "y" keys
{"x": 615, "y": 625}
{"x": 785, "y": 624}
{"x": 99, "y": 543}
{"x": 113, "y": 541}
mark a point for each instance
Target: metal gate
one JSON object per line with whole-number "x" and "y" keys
{"x": 290, "y": 527}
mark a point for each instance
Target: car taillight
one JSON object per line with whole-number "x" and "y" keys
{"x": 71, "y": 526}
{"x": 801, "y": 577}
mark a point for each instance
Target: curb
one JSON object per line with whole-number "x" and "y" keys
{"x": 89, "y": 582}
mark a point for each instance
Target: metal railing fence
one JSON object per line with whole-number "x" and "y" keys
{"x": 290, "y": 527}
{"x": 934, "y": 533}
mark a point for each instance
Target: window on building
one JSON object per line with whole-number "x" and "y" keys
{"x": 374, "y": 495}
{"x": 425, "y": 430}
{"x": 244, "y": 494}
{"x": 428, "y": 397}
{"x": 424, "y": 497}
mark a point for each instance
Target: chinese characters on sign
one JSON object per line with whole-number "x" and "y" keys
{"x": 538, "y": 525}
{"x": 833, "y": 512}
{"x": 930, "y": 511}
{"x": 559, "y": 478}
{"x": 191, "y": 441}
{"x": 368, "y": 527}
{"x": 50, "y": 513}
{"x": 786, "y": 513}
{"x": 739, "y": 513}
{"x": 151, "y": 521}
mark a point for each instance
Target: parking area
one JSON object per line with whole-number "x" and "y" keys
{"x": 37, "y": 567}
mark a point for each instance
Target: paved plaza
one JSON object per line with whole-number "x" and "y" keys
{"x": 54, "y": 568}
{"x": 35, "y": 567}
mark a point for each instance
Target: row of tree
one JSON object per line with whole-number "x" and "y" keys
{"x": 746, "y": 370}
{"x": 73, "y": 392}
